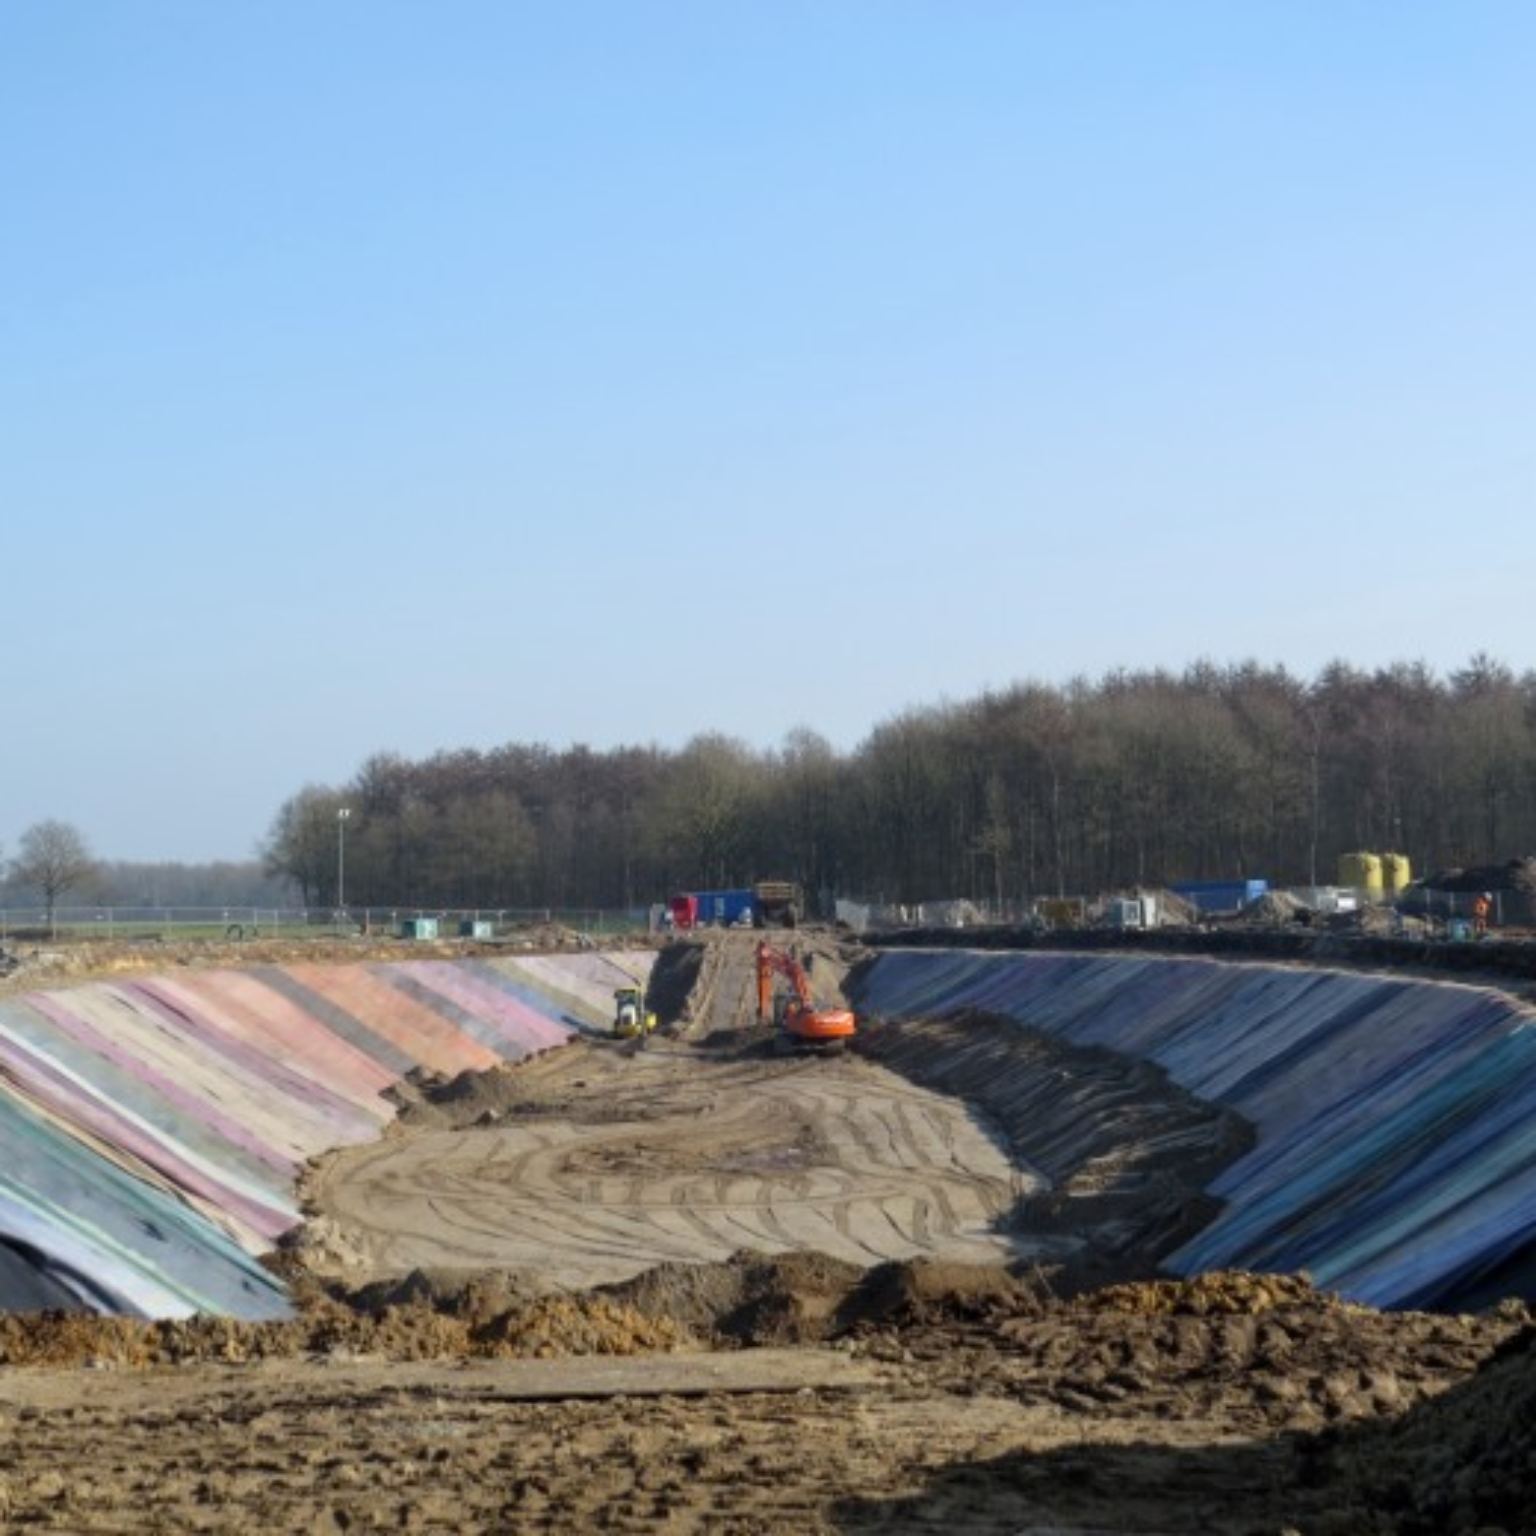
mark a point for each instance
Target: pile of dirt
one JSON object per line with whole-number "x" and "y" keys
{"x": 476, "y": 1296}
{"x": 467, "y": 1321}
{"x": 1463, "y": 1461}
{"x": 488, "y": 1314}
{"x": 1262, "y": 1353}
{"x": 974, "y": 1400}
{"x": 808, "y": 1298}
{"x": 556, "y": 1326}
{"x": 1221, "y": 1293}
{"x": 428, "y": 1100}
{"x": 751, "y": 1299}
{"x": 1276, "y": 908}
{"x": 1301, "y": 1355}
{"x": 1512, "y": 883}
{"x": 1172, "y": 909}
{"x": 1518, "y": 875}
{"x": 920, "y": 1293}
{"x": 1378, "y": 922}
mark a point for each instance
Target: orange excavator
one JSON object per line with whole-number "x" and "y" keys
{"x": 800, "y": 1023}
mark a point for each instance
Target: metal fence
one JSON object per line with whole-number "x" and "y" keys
{"x": 146, "y": 923}
{"x": 1440, "y": 908}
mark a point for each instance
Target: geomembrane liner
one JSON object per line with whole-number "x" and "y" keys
{"x": 1396, "y": 1120}
{"x": 152, "y": 1130}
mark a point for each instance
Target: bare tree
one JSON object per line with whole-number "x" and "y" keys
{"x": 301, "y": 845}
{"x": 701, "y": 814}
{"x": 53, "y": 860}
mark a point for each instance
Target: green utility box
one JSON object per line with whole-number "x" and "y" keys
{"x": 419, "y": 928}
{"x": 475, "y": 928}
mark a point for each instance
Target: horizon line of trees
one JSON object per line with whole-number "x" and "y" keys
{"x": 1137, "y": 779}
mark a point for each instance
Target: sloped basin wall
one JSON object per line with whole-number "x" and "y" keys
{"x": 1396, "y": 1119}
{"x": 152, "y": 1130}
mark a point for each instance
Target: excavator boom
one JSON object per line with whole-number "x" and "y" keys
{"x": 799, "y": 1017}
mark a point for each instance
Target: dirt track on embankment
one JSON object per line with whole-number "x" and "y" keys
{"x": 702, "y": 1287}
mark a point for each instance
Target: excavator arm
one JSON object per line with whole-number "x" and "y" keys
{"x": 773, "y": 962}
{"x": 799, "y": 1016}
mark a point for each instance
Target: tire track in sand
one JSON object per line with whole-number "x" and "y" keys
{"x": 667, "y": 1155}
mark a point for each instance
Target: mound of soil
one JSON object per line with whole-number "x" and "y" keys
{"x": 427, "y": 1100}
{"x": 476, "y": 1296}
{"x": 920, "y": 1293}
{"x": 1240, "y": 1403}
{"x": 1277, "y": 907}
{"x": 1460, "y": 1462}
{"x": 751, "y": 1299}
{"x": 1172, "y": 909}
{"x": 1513, "y": 884}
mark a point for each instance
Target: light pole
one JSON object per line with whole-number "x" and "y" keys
{"x": 341, "y": 857}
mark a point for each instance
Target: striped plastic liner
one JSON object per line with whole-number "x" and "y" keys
{"x": 152, "y": 1129}
{"x": 1396, "y": 1119}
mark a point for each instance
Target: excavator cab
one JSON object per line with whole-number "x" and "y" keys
{"x": 631, "y": 1017}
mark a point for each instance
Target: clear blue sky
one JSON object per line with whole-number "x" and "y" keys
{"x": 400, "y": 377}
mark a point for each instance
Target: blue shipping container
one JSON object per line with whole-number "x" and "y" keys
{"x": 1221, "y": 895}
{"x": 724, "y": 907}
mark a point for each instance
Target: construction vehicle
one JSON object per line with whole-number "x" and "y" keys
{"x": 631, "y": 1017}
{"x": 798, "y": 1023}
{"x": 776, "y": 904}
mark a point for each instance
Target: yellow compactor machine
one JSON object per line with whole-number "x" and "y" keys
{"x": 631, "y": 1017}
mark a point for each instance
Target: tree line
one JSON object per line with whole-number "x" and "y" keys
{"x": 1133, "y": 779}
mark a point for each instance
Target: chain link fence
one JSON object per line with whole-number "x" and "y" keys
{"x": 146, "y": 924}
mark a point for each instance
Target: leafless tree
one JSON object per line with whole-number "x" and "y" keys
{"x": 53, "y": 860}
{"x": 703, "y": 813}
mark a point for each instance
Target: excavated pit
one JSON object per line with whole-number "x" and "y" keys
{"x": 781, "y": 1387}
{"x": 961, "y": 1142}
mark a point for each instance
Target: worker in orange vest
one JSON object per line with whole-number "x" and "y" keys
{"x": 1481, "y": 907}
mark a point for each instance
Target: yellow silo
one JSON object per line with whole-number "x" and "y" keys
{"x": 1396, "y": 876}
{"x": 1360, "y": 872}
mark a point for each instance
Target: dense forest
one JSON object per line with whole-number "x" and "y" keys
{"x": 1136, "y": 779}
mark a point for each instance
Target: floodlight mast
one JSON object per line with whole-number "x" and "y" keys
{"x": 341, "y": 857}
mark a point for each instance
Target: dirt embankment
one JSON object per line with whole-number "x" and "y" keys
{"x": 950, "y": 1399}
{"x": 756, "y": 1381}
{"x": 40, "y": 963}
